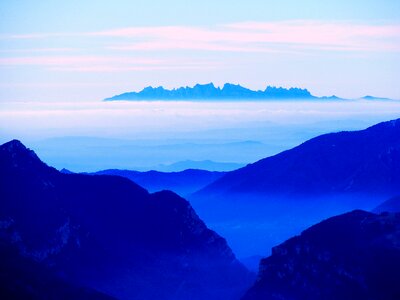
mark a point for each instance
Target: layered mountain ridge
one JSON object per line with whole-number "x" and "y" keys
{"x": 108, "y": 234}
{"x": 183, "y": 183}
{"x": 335, "y": 162}
{"x": 285, "y": 193}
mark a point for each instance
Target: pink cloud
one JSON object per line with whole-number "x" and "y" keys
{"x": 106, "y": 63}
{"x": 280, "y": 37}
{"x": 187, "y": 45}
{"x": 251, "y": 36}
{"x": 76, "y": 60}
{"x": 39, "y": 50}
{"x": 255, "y": 37}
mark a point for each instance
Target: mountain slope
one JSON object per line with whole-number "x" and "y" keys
{"x": 24, "y": 278}
{"x": 109, "y": 234}
{"x": 326, "y": 175}
{"x": 183, "y": 183}
{"x": 351, "y": 256}
{"x": 336, "y": 162}
{"x": 391, "y": 205}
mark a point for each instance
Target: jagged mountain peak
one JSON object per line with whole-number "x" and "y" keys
{"x": 13, "y": 145}
{"x": 16, "y": 152}
{"x": 210, "y": 91}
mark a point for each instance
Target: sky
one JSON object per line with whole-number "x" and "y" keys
{"x": 75, "y": 51}
{"x": 60, "y": 59}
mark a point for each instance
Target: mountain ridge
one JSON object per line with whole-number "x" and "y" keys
{"x": 209, "y": 91}
{"x": 228, "y": 91}
{"x": 350, "y": 256}
{"x": 329, "y": 174}
{"x": 391, "y": 205}
{"x": 183, "y": 182}
{"x": 344, "y": 138}
{"x": 109, "y": 234}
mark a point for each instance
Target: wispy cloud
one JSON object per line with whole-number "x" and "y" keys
{"x": 164, "y": 44}
{"x": 40, "y": 50}
{"x": 86, "y": 63}
{"x": 250, "y": 36}
{"x": 76, "y": 60}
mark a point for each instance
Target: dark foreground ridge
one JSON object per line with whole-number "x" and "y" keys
{"x": 105, "y": 234}
{"x": 352, "y": 256}
{"x": 390, "y": 205}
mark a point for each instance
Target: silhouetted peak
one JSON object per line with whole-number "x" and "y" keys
{"x": 231, "y": 85}
{"x": 66, "y": 171}
{"x": 18, "y": 154}
{"x": 208, "y": 87}
{"x": 234, "y": 87}
{"x": 280, "y": 91}
{"x": 369, "y": 97}
{"x": 13, "y": 145}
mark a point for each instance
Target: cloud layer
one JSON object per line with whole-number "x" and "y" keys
{"x": 284, "y": 37}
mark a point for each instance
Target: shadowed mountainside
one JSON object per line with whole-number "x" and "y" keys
{"x": 109, "y": 234}
{"x": 329, "y": 174}
{"x": 352, "y": 256}
{"x": 24, "y": 278}
{"x": 332, "y": 163}
{"x": 391, "y": 205}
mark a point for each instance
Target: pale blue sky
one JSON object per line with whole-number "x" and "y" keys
{"x": 89, "y": 50}
{"x": 59, "y": 59}
{"x": 52, "y": 16}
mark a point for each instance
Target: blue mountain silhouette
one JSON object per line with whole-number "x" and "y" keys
{"x": 209, "y": 91}
{"x": 350, "y": 256}
{"x": 109, "y": 234}
{"x": 183, "y": 183}
{"x": 329, "y": 174}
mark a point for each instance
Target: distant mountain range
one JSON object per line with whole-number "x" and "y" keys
{"x": 352, "y": 256}
{"x": 88, "y": 154}
{"x": 209, "y": 91}
{"x": 106, "y": 234}
{"x": 228, "y": 92}
{"x": 183, "y": 183}
{"x": 326, "y": 175}
{"x": 199, "y": 165}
